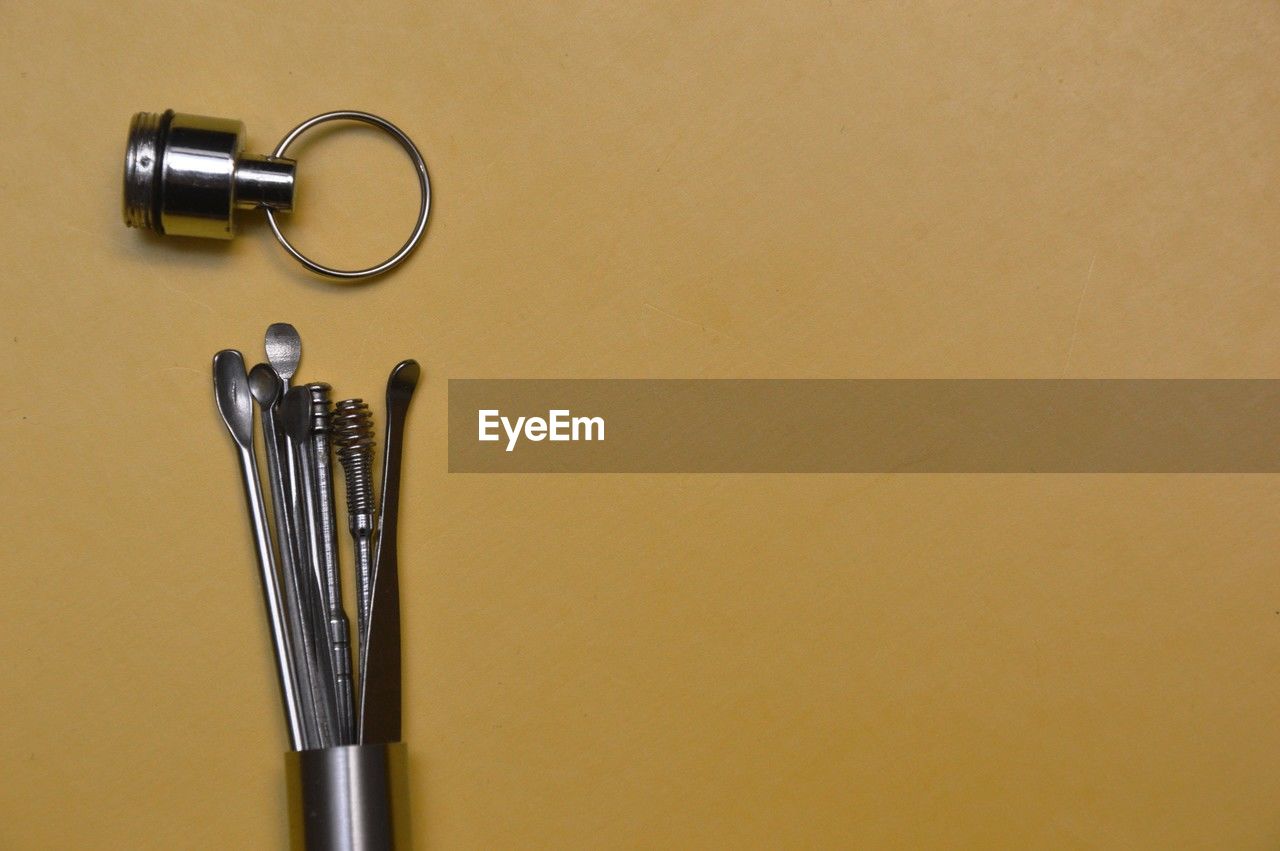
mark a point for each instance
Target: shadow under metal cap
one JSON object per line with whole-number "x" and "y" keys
{"x": 186, "y": 175}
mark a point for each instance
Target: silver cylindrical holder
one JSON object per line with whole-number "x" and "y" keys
{"x": 349, "y": 798}
{"x": 186, "y": 175}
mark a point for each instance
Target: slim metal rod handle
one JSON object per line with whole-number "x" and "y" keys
{"x": 288, "y": 675}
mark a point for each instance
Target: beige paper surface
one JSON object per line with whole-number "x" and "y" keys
{"x": 754, "y": 190}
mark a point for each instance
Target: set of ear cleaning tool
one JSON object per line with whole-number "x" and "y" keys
{"x": 188, "y": 175}
{"x": 342, "y": 708}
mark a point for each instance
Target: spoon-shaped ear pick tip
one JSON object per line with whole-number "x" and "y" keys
{"x": 231, "y": 391}
{"x": 284, "y": 349}
{"x": 404, "y": 377}
{"x": 265, "y": 385}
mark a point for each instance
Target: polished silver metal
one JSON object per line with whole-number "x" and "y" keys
{"x": 352, "y": 426}
{"x": 339, "y": 630}
{"x": 424, "y": 186}
{"x": 352, "y": 798}
{"x": 295, "y": 415}
{"x": 267, "y": 388}
{"x": 283, "y": 345}
{"x": 186, "y": 175}
{"x": 380, "y": 673}
{"x": 231, "y": 391}
{"x": 352, "y": 794}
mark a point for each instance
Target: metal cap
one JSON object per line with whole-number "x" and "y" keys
{"x": 185, "y": 175}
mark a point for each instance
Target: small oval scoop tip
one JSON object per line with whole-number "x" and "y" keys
{"x": 231, "y": 391}
{"x": 284, "y": 349}
{"x": 265, "y": 385}
{"x": 405, "y": 376}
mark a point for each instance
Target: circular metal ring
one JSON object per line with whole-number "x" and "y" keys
{"x": 424, "y": 183}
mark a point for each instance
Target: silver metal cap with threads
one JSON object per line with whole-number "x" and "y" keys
{"x": 186, "y": 175}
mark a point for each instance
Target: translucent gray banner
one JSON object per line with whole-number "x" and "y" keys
{"x": 864, "y": 426}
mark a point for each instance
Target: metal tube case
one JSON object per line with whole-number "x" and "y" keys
{"x": 349, "y": 798}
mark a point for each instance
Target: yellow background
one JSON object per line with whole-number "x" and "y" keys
{"x": 731, "y": 189}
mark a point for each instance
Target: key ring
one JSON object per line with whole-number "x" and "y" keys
{"x": 187, "y": 175}
{"x": 424, "y": 185}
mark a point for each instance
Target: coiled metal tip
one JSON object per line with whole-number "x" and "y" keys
{"x": 352, "y": 430}
{"x": 352, "y": 427}
{"x": 143, "y": 153}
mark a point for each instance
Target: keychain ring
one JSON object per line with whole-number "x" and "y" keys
{"x": 424, "y": 184}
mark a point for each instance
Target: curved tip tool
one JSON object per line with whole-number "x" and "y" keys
{"x": 231, "y": 390}
{"x": 265, "y": 385}
{"x": 380, "y": 653}
{"x": 235, "y": 404}
{"x": 404, "y": 378}
{"x": 284, "y": 349}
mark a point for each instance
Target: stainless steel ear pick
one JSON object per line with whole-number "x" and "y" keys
{"x": 339, "y": 630}
{"x": 231, "y": 390}
{"x": 353, "y": 440}
{"x": 295, "y": 415}
{"x": 267, "y": 389}
{"x": 380, "y": 653}
{"x": 188, "y": 175}
{"x": 346, "y": 769}
{"x": 284, "y": 350}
